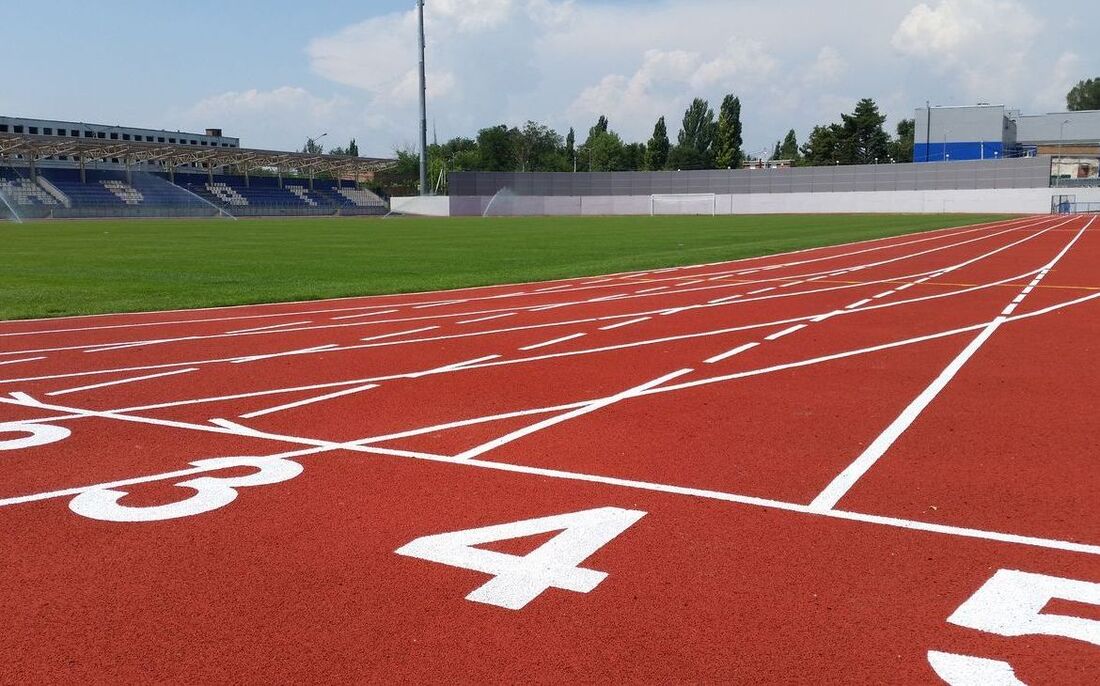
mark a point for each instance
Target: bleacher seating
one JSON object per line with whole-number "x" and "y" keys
{"x": 107, "y": 192}
{"x": 23, "y": 191}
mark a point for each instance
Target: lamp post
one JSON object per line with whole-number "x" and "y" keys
{"x": 1058, "y": 160}
{"x": 423, "y": 106}
{"x": 945, "y": 133}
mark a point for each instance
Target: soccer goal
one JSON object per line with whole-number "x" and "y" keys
{"x": 684, "y": 203}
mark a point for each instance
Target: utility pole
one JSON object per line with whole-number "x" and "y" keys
{"x": 423, "y": 108}
{"x": 928, "y": 130}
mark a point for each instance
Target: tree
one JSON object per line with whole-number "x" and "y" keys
{"x": 697, "y": 135}
{"x": 633, "y": 158}
{"x": 571, "y": 146}
{"x": 822, "y": 147}
{"x": 1084, "y": 96}
{"x": 600, "y": 127}
{"x": 787, "y": 149}
{"x": 312, "y": 147}
{"x": 901, "y": 149}
{"x": 604, "y": 151}
{"x": 537, "y": 147}
{"x": 353, "y": 149}
{"x": 656, "y": 151}
{"x": 728, "y": 141}
{"x": 496, "y": 149}
{"x": 864, "y": 140}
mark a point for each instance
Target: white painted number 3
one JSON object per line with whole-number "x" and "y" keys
{"x": 210, "y": 492}
{"x": 1011, "y": 604}
{"x": 517, "y": 580}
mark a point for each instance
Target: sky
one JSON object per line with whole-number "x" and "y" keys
{"x": 274, "y": 73}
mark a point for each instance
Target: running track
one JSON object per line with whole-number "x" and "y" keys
{"x": 872, "y": 463}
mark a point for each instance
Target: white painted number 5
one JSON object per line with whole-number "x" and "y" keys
{"x": 517, "y": 580}
{"x": 1011, "y": 604}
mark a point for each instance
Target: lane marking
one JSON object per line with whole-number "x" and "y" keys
{"x": 857, "y": 304}
{"x": 626, "y": 323}
{"x": 847, "y": 479}
{"x": 552, "y": 421}
{"x": 762, "y": 290}
{"x": 453, "y": 367}
{"x": 307, "y": 401}
{"x": 552, "y": 342}
{"x": 25, "y": 359}
{"x": 399, "y": 333}
{"x": 439, "y": 304}
{"x": 489, "y": 318}
{"x": 119, "y": 382}
{"x": 122, "y": 346}
{"x": 785, "y": 332}
{"x": 365, "y": 314}
{"x": 269, "y": 328}
{"x": 651, "y": 290}
{"x": 301, "y": 351}
{"x": 730, "y": 353}
{"x": 727, "y": 299}
{"x": 555, "y": 306}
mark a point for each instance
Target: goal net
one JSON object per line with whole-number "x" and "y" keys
{"x": 684, "y": 203}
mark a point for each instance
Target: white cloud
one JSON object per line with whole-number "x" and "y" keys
{"x": 985, "y": 46}
{"x": 565, "y": 62}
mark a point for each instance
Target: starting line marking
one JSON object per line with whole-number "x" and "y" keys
{"x": 119, "y": 382}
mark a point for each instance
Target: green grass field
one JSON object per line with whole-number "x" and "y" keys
{"x": 88, "y": 267}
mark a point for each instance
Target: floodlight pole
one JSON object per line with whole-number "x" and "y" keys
{"x": 1058, "y": 161}
{"x": 423, "y": 107}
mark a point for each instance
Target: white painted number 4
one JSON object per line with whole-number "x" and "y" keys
{"x": 517, "y": 580}
{"x": 1011, "y": 604}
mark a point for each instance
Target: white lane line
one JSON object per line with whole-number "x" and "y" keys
{"x": 25, "y": 359}
{"x": 543, "y": 308}
{"x": 730, "y": 353}
{"x": 858, "y": 303}
{"x": 762, "y": 290}
{"x": 489, "y": 318}
{"x": 307, "y": 401}
{"x": 552, "y": 288}
{"x": 122, "y": 381}
{"x": 122, "y": 346}
{"x": 439, "y": 304}
{"x": 288, "y": 353}
{"x": 593, "y": 283}
{"x": 609, "y": 297}
{"x": 792, "y": 283}
{"x": 905, "y": 285}
{"x": 453, "y": 367}
{"x": 552, "y": 341}
{"x": 727, "y": 299}
{"x": 846, "y": 480}
{"x": 551, "y": 421}
{"x": 650, "y": 290}
{"x": 827, "y": 315}
{"x": 1009, "y": 310}
{"x": 360, "y": 316}
{"x": 785, "y": 332}
{"x": 690, "y": 283}
{"x": 882, "y": 295}
{"x": 399, "y": 333}
{"x": 626, "y": 323}
{"x": 273, "y": 326}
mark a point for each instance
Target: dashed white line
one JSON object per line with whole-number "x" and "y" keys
{"x": 785, "y": 332}
{"x": 859, "y": 303}
{"x": 727, "y": 299}
{"x": 626, "y": 323}
{"x": 399, "y": 333}
{"x": 730, "y": 353}
{"x": 273, "y": 326}
{"x": 650, "y": 290}
{"x": 25, "y": 359}
{"x": 552, "y": 342}
{"x": 122, "y": 381}
{"x": 489, "y": 318}
{"x": 288, "y": 353}
{"x": 360, "y": 316}
{"x": 762, "y": 290}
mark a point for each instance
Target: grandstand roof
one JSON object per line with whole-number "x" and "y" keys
{"x": 40, "y": 147}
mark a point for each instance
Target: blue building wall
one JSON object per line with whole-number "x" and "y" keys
{"x": 957, "y": 151}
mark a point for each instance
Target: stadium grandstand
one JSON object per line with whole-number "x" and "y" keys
{"x": 65, "y": 169}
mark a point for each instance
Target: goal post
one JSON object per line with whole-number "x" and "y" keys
{"x": 683, "y": 203}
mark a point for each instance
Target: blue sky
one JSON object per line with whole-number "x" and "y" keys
{"x": 275, "y": 72}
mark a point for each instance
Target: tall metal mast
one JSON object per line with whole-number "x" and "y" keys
{"x": 423, "y": 109}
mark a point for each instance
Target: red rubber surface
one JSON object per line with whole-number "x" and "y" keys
{"x": 740, "y": 570}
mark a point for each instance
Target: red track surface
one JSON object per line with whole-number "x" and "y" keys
{"x": 807, "y": 481}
